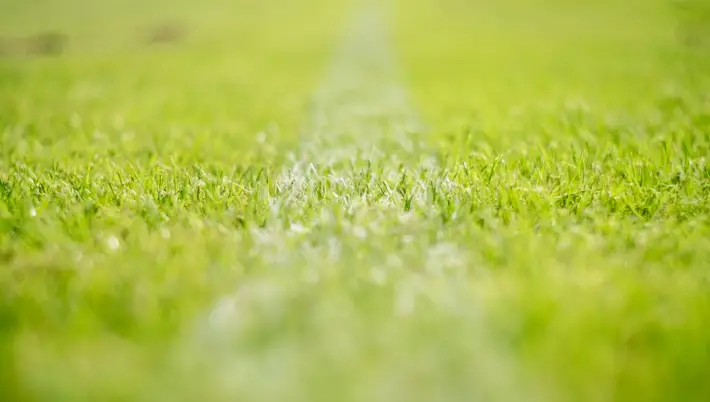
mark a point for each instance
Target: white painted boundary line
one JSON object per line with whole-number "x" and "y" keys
{"x": 360, "y": 106}
{"x": 360, "y": 103}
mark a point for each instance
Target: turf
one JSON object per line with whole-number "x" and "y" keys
{"x": 254, "y": 211}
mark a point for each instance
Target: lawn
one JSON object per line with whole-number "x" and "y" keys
{"x": 355, "y": 201}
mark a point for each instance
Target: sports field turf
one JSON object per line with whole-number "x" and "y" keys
{"x": 342, "y": 200}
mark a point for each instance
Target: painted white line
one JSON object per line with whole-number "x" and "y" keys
{"x": 360, "y": 109}
{"x": 361, "y": 104}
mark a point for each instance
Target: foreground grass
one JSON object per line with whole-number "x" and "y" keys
{"x": 157, "y": 243}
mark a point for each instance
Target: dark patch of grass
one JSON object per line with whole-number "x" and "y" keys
{"x": 47, "y": 43}
{"x": 168, "y": 32}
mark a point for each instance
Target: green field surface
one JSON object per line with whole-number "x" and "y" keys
{"x": 353, "y": 200}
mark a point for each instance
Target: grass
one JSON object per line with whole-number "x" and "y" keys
{"x": 546, "y": 237}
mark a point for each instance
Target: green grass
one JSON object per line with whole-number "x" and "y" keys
{"x": 547, "y": 239}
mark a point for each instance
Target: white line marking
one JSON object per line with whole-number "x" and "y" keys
{"x": 361, "y": 104}
{"x": 360, "y": 109}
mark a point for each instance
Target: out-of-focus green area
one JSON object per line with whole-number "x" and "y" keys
{"x": 552, "y": 245}
{"x": 508, "y": 62}
{"x": 162, "y": 78}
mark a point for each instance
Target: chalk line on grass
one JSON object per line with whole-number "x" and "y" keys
{"x": 361, "y": 106}
{"x": 360, "y": 110}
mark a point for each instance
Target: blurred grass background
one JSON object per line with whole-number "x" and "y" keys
{"x": 508, "y": 62}
{"x": 138, "y": 177}
{"x": 113, "y": 92}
